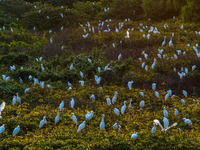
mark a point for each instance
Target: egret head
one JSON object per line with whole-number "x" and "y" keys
{"x": 156, "y": 121}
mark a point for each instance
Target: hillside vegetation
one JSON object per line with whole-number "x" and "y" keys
{"x": 94, "y": 57}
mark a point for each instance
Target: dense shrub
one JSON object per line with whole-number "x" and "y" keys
{"x": 55, "y": 21}
{"x": 11, "y": 10}
{"x": 191, "y": 11}
{"x": 123, "y": 9}
{"x": 161, "y": 9}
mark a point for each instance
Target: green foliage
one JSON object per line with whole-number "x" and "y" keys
{"x": 123, "y": 9}
{"x": 190, "y": 12}
{"x": 9, "y": 88}
{"x": 162, "y": 9}
{"x": 40, "y": 20}
{"x": 11, "y": 10}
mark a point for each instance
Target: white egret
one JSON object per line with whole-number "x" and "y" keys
{"x": 16, "y": 130}
{"x": 74, "y": 119}
{"x": 130, "y": 104}
{"x": 157, "y": 94}
{"x": 142, "y": 94}
{"x": 14, "y": 100}
{"x": 165, "y": 113}
{"x": 89, "y": 60}
{"x": 18, "y": 99}
{"x": 102, "y": 124}
{"x": 166, "y": 96}
{"x": 153, "y": 130}
{"x": 90, "y": 115}
{"x": 92, "y": 97}
{"x": 176, "y": 112}
{"x": 134, "y": 136}
{"x": 142, "y": 104}
{"x": 2, "y": 106}
{"x": 72, "y": 103}
{"x": 2, "y": 128}
{"x": 108, "y": 101}
{"x": 127, "y": 34}
{"x": 71, "y": 66}
{"x": 187, "y": 121}
{"x": 81, "y": 82}
{"x": 81, "y": 74}
{"x": 185, "y": 93}
{"x": 182, "y": 101}
{"x": 170, "y": 42}
{"x": 166, "y": 122}
{"x": 130, "y": 85}
{"x": 42, "y": 67}
{"x": 116, "y": 111}
{"x": 193, "y": 67}
{"x": 154, "y": 86}
{"x": 114, "y": 99}
{"x": 27, "y": 90}
{"x": 57, "y": 118}
{"x": 69, "y": 84}
{"x": 119, "y": 56}
{"x": 123, "y": 108}
{"x": 61, "y": 105}
{"x": 81, "y": 126}
{"x": 119, "y": 129}
{"x": 115, "y": 126}
{"x": 157, "y": 122}
{"x": 42, "y": 122}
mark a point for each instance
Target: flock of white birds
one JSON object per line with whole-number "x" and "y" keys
{"x": 103, "y": 26}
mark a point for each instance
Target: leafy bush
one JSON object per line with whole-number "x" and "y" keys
{"x": 56, "y": 21}
{"x": 123, "y": 9}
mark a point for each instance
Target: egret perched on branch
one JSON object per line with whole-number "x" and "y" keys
{"x": 114, "y": 99}
{"x": 153, "y": 130}
{"x": 187, "y": 121}
{"x": 176, "y": 112}
{"x": 72, "y": 103}
{"x": 165, "y": 112}
{"x": 185, "y": 93}
{"x": 166, "y": 96}
{"x": 141, "y": 104}
{"x": 115, "y": 126}
{"x": 182, "y": 101}
{"x": 116, "y": 111}
{"x": 102, "y": 124}
{"x": 61, "y": 105}
{"x": 130, "y": 104}
{"x": 130, "y": 85}
{"x": 119, "y": 56}
{"x": 89, "y": 116}
{"x": 57, "y": 118}
{"x": 127, "y": 34}
{"x": 74, "y": 119}
{"x": 157, "y": 94}
{"x": 123, "y": 108}
{"x": 154, "y": 86}
{"x": 134, "y": 136}
{"x": 81, "y": 126}
{"x": 2, "y": 128}
{"x": 42, "y": 122}
{"x": 18, "y": 99}
{"x": 92, "y": 97}
{"x": 142, "y": 94}
{"x": 16, "y": 130}
{"x": 108, "y": 101}
{"x": 81, "y": 74}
